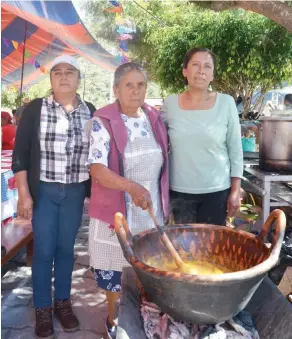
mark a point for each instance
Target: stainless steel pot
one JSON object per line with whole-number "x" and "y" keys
{"x": 275, "y": 151}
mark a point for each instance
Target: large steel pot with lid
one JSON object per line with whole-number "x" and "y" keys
{"x": 275, "y": 151}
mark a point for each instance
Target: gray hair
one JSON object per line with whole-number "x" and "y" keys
{"x": 126, "y": 68}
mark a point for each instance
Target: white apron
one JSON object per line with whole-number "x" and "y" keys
{"x": 143, "y": 165}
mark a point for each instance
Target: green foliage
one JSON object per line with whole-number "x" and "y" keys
{"x": 10, "y": 99}
{"x": 252, "y": 50}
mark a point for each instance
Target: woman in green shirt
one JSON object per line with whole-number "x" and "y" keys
{"x": 206, "y": 161}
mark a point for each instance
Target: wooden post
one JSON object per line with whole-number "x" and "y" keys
{"x": 22, "y": 68}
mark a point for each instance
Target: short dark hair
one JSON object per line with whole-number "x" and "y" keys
{"x": 191, "y": 52}
{"x": 288, "y": 97}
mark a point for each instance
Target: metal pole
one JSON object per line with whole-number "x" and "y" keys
{"x": 84, "y": 79}
{"x": 22, "y": 68}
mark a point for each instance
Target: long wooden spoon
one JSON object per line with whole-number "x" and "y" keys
{"x": 182, "y": 266}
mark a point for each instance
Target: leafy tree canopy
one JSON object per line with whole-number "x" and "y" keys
{"x": 252, "y": 50}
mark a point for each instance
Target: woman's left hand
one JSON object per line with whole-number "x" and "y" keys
{"x": 233, "y": 202}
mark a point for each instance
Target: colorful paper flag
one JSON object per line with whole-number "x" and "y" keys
{"x": 26, "y": 54}
{"x": 20, "y": 48}
{"x": 42, "y": 69}
{"x": 6, "y": 42}
{"x": 14, "y": 43}
{"x": 37, "y": 65}
{"x": 31, "y": 60}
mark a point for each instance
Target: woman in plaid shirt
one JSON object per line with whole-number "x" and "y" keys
{"x": 51, "y": 150}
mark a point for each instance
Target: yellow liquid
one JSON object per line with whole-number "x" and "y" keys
{"x": 191, "y": 267}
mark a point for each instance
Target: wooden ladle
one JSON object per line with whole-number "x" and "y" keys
{"x": 182, "y": 266}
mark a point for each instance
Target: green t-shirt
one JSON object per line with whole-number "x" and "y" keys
{"x": 206, "y": 148}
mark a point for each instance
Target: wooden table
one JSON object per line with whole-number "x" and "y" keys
{"x": 15, "y": 236}
{"x": 267, "y": 179}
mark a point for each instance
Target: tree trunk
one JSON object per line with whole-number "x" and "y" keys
{"x": 279, "y": 12}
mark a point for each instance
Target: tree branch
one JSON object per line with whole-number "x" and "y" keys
{"x": 278, "y": 11}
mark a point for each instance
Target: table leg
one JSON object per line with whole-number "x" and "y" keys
{"x": 29, "y": 253}
{"x": 266, "y": 201}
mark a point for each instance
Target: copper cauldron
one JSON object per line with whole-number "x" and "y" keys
{"x": 203, "y": 299}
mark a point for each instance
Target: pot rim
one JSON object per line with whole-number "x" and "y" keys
{"x": 249, "y": 273}
{"x": 276, "y": 118}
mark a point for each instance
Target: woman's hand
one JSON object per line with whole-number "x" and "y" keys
{"x": 233, "y": 202}
{"x": 140, "y": 196}
{"x": 25, "y": 206}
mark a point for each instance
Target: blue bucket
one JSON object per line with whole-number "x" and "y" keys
{"x": 248, "y": 144}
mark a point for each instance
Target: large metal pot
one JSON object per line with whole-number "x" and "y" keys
{"x": 202, "y": 299}
{"x": 276, "y": 143}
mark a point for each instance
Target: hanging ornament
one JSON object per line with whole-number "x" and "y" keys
{"x": 125, "y": 30}
{"x": 119, "y": 20}
{"x": 42, "y": 69}
{"x": 36, "y": 64}
{"x": 125, "y": 37}
{"x": 114, "y": 10}
{"x": 114, "y": 3}
{"x": 125, "y": 59}
{"x": 124, "y": 46}
{"x": 118, "y": 58}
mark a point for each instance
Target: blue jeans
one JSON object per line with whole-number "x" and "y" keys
{"x": 55, "y": 223}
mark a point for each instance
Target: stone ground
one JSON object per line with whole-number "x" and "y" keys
{"x": 88, "y": 302}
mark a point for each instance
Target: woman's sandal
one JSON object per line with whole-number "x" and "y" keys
{"x": 110, "y": 329}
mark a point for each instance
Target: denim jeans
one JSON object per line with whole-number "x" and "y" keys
{"x": 55, "y": 223}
